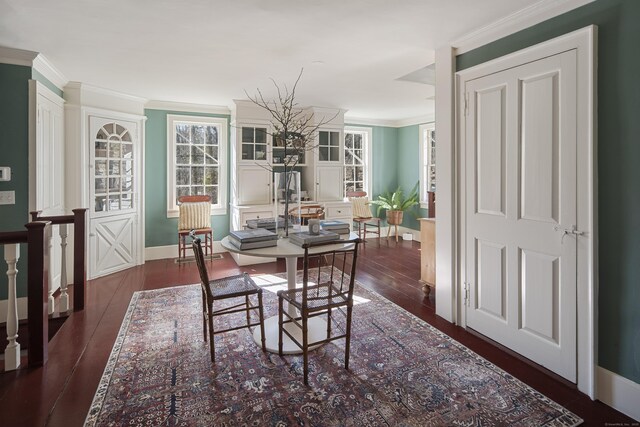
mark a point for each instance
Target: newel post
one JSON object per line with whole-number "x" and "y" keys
{"x": 38, "y": 237}
{"x": 79, "y": 258}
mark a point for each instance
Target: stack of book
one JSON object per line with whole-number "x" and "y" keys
{"x": 253, "y": 239}
{"x": 338, "y": 227}
{"x": 304, "y": 237}
{"x": 268, "y": 223}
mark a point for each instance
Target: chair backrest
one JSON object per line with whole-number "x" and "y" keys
{"x": 195, "y": 212}
{"x": 202, "y": 268}
{"x": 335, "y": 266}
{"x": 359, "y": 204}
{"x": 307, "y": 211}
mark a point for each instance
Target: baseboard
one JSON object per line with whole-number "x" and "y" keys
{"x": 171, "y": 251}
{"x": 401, "y": 230}
{"x": 619, "y": 392}
{"x": 22, "y": 309}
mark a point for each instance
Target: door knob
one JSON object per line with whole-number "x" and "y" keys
{"x": 573, "y": 230}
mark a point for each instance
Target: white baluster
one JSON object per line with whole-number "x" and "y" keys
{"x": 64, "y": 296}
{"x": 52, "y": 303}
{"x": 12, "y": 351}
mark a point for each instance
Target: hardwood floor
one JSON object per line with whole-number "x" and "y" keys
{"x": 60, "y": 393}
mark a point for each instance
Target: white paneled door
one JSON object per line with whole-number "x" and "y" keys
{"x": 520, "y": 209}
{"x": 115, "y": 170}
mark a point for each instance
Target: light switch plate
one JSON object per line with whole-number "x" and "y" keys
{"x": 5, "y": 173}
{"x": 7, "y": 197}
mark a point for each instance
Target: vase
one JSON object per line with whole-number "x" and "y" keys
{"x": 287, "y": 198}
{"x": 394, "y": 217}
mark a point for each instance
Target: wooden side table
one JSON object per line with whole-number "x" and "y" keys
{"x": 427, "y": 254}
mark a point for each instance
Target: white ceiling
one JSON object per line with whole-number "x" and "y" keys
{"x": 211, "y": 51}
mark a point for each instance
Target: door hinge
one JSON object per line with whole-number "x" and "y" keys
{"x": 466, "y": 104}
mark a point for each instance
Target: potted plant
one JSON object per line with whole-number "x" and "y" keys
{"x": 396, "y": 203}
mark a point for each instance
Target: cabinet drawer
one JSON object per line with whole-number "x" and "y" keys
{"x": 244, "y": 216}
{"x": 338, "y": 211}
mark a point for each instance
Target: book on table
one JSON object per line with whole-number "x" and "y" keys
{"x": 268, "y": 223}
{"x": 253, "y": 235}
{"x": 304, "y": 237}
{"x": 338, "y": 227}
{"x": 252, "y": 245}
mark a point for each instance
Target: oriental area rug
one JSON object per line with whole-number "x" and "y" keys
{"x": 403, "y": 372}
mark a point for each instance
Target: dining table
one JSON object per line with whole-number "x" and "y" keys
{"x": 317, "y": 327}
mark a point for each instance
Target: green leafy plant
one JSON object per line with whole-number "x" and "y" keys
{"x": 396, "y": 201}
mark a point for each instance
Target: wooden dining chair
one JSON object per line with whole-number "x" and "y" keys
{"x": 307, "y": 212}
{"x": 362, "y": 216}
{"x": 237, "y": 286}
{"x": 195, "y": 215}
{"x": 328, "y": 280}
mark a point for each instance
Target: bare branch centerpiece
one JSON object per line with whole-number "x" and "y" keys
{"x": 293, "y": 130}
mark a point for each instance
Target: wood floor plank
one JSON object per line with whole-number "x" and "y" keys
{"x": 60, "y": 393}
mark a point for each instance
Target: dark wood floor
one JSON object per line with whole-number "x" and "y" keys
{"x": 60, "y": 393}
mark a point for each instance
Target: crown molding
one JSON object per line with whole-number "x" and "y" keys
{"x": 357, "y": 121}
{"x": 9, "y": 55}
{"x": 49, "y": 71}
{"x": 37, "y": 61}
{"x": 524, "y": 18}
{"x": 187, "y": 107}
{"x": 84, "y": 87}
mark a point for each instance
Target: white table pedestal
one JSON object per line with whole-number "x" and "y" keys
{"x": 317, "y": 331}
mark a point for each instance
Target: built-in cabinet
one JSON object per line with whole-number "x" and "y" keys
{"x": 256, "y": 155}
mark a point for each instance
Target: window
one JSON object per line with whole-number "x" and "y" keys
{"x": 197, "y": 160}
{"x": 357, "y": 159}
{"x": 427, "y": 161}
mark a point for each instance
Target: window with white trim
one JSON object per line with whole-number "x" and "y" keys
{"x": 197, "y": 160}
{"x": 357, "y": 159}
{"x": 427, "y": 161}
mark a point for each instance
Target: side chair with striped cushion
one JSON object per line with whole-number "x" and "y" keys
{"x": 362, "y": 214}
{"x": 195, "y": 214}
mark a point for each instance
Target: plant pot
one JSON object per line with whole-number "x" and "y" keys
{"x": 394, "y": 217}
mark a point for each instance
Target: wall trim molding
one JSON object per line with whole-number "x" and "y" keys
{"x": 21, "y": 303}
{"x": 187, "y": 107}
{"x": 619, "y": 392}
{"x": 171, "y": 251}
{"x": 42, "y": 65}
{"x": 9, "y": 55}
{"x": 519, "y": 20}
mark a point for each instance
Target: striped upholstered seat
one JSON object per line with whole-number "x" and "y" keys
{"x": 195, "y": 214}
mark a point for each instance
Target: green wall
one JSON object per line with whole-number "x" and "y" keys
{"x": 160, "y": 230}
{"x": 14, "y": 146}
{"x": 396, "y": 162}
{"x": 618, "y": 172}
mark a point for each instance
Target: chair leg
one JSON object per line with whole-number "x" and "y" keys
{"x": 261, "y": 313}
{"x": 305, "y": 347}
{"x": 396, "y": 230}
{"x": 280, "y": 326}
{"x": 348, "y": 337}
{"x": 211, "y": 345}
{"x": 246, "y": 304}
{"x": 204, "y": 315}
{"x": 388, "y": 230}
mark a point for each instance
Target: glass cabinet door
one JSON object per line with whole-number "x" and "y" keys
{"x": 113, "y": 166}
{"x": 253, "y": 141}
{"x": 328, "y": 146}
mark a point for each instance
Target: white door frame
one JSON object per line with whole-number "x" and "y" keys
{"x": 584, "y": 42}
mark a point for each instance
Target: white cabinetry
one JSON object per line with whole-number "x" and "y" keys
{"x": 254, "y": 155}
{"x": 253, "y": 185}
